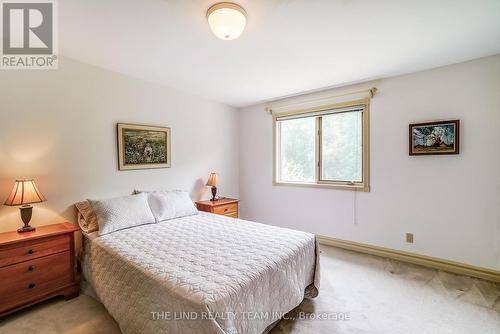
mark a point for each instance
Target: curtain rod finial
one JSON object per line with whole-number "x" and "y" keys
{"x": 269, "y": 110}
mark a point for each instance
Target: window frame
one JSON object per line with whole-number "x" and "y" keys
{"x": 364, "y": 185}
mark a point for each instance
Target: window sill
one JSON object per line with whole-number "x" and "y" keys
{"x": 341, "y": 186}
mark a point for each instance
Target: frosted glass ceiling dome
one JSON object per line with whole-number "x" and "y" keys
{"x": 227, "y": 20}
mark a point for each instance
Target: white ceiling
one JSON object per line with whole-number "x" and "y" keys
{"x": 289, "y": 46}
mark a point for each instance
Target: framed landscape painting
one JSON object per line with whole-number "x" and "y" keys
{"x": 143, "y": 147}
{"x": 441, "y": 137}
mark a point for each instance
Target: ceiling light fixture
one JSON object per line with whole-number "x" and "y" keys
{"x": 227, "y": 20}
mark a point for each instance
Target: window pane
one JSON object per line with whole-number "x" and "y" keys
{"x": 341, "y": 139}
{"x": 297, "y": 151}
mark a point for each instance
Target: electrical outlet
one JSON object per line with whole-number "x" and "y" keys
{"x": 409, "y": 238}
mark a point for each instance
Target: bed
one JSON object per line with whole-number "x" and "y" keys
{"x": 202, "y": 273}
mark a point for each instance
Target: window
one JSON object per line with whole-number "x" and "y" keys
{"x": 326, "y": 146}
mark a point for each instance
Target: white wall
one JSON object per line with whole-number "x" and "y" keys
{"x": 59, "y": 127}
{"x": 451, "y": 203}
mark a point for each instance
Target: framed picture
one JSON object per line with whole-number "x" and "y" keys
{"x": 143, "y": 147}
{"x": 441, "y": 137}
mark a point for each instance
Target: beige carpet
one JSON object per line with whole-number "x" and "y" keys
{"x": 359, "y": 294}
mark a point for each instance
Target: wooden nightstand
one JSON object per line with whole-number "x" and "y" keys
{"x": 224, "y": 206}
{"x": 37, "y": 265}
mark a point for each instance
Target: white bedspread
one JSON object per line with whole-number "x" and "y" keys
{"x": 202, "y": 274}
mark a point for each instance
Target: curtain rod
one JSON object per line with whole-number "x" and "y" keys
{"x": 371, "y": 91}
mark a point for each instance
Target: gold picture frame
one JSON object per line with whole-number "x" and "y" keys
{"x": 434, "y": 137}
{"x": 143, "y": 146}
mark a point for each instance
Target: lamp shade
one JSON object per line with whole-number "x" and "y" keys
{"x": 212, "y": 180}
{"x": 24, "y": 192}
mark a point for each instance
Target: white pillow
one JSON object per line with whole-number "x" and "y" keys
{"x": 170, "y": 204}
{"x": 122, "y": 212}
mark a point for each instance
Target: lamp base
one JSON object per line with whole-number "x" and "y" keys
{"x": 26, "y": 211}
{"x": 214, "y": 194}
{"x": 26, "y": 228}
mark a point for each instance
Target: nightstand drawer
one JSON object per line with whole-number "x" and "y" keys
{"x": 31, "y": 279}
{"x": 29, "y": 250}
{"x": 227, "y": 209}
{"x": 223, "y": 206}
{"x": 30, "y": 275}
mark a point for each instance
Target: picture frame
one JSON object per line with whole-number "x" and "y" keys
{"x": 143, "y": 146}
{"x": 434, "y": 137}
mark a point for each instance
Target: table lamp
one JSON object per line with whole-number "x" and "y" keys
{"x": 212, "y": 182}
{"x": 25, "y": 193}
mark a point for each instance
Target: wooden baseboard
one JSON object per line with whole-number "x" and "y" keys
{"x": 422, "y": 260}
